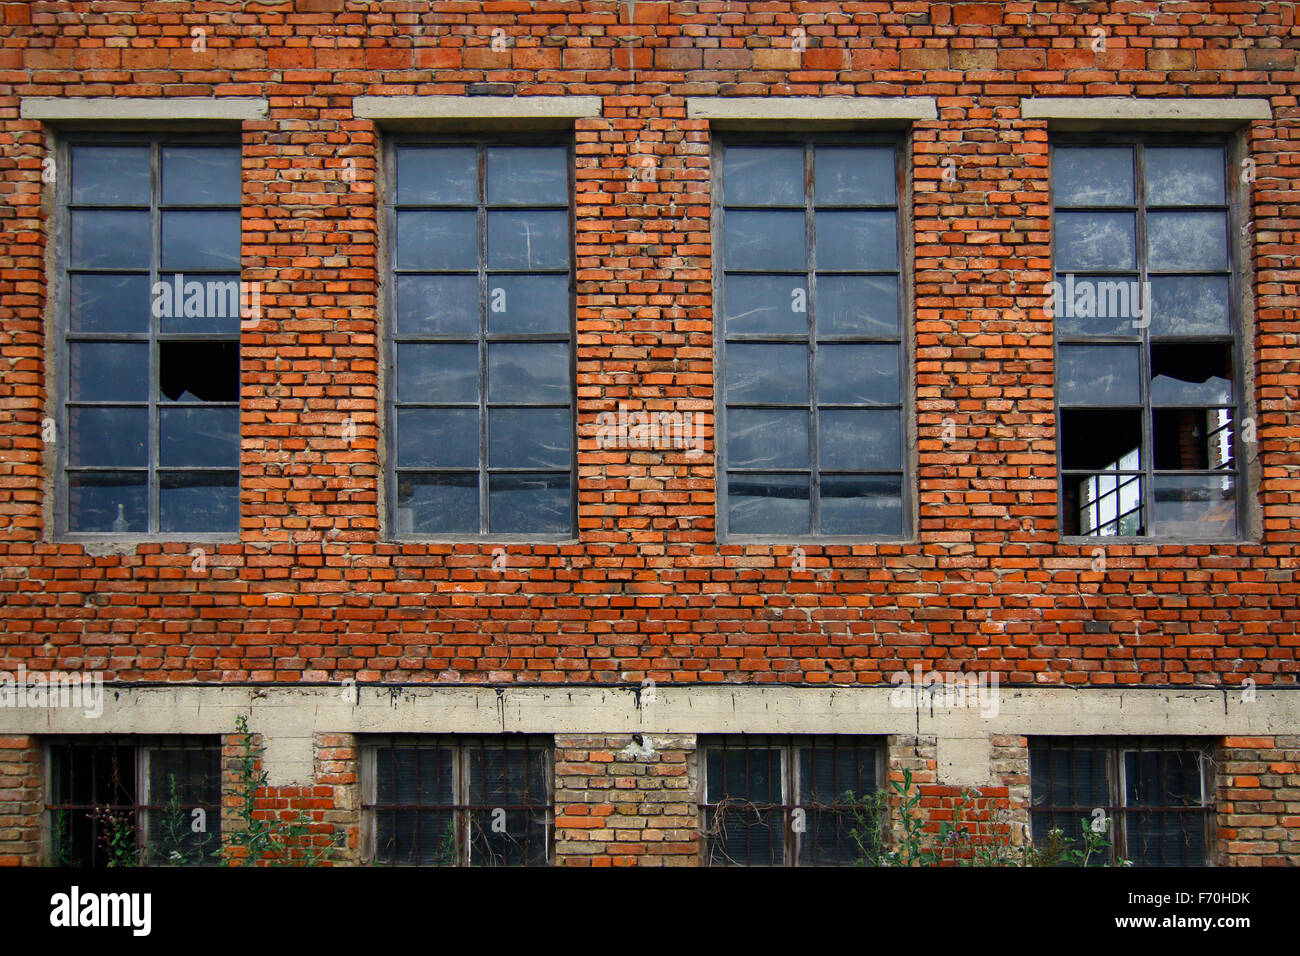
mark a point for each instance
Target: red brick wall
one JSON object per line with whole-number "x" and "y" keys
{"x": 1258, "y": 801}
{"x": 312, "y": 591}
{"x": 20, "y": 801}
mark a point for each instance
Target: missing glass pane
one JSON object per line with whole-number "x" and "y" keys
{"x": 198, "y": 371}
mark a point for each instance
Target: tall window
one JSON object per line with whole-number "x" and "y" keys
{"x": 149, "y": 369}
{"x": 786, "y": 801}
{"x": 480, "y": 368}
{"x": 811, "y": 358}
{"x": 142, "y": 802}
{"x": 459, "y": 801}
{"x": 1148, "y": 349}
{"x": 1148, "y": 797}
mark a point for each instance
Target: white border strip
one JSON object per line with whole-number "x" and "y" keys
{"x": 475, "y": 107}
{"x": 1109, "y": 108}
{"x": 812, "y": 108}
{"x": 153, "y": 108}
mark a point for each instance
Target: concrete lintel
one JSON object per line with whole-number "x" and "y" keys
{"x": 812, "y": 108}
{"x": 87, "y": 109}
{"x": 1110, "y": 109}
{"x": 414, "y": 108}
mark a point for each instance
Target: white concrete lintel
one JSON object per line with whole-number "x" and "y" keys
{"x": 1102, "y": 109}
{"x": 67, "y": 109}
{"x": 812, "y": 108}
{"x": 410, "y": 108}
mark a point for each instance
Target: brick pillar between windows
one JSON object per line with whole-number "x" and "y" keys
{"x": 1258, "y": 801}
{"x": 20, "y": 801}
{"x": 620, "y": 803}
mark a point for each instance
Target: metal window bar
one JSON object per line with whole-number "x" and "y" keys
{"x": 469, "y": 813}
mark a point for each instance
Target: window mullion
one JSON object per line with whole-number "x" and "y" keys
{"x": 152, "y": 491}
{"x": 484, "y": 485}
{"x": 1144, "y": 345}
{"x": 810, "y": 241}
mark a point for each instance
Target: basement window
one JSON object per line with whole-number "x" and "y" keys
{"x": 1148, "y": 352}
{"x": 459, "y": 800}
{"x": 1149, "y": 797}
{"x": 785, "y": 801}
{"x": 132, "y": 802}
{"x": 149, "y": 369}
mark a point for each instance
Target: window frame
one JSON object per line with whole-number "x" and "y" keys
{"x": 60, "y": 390}
{"x": 1235, "y": 203}
{"x": 788, "y": 747}
{"x": 900, "y": 143}
{"x": 142, "y": 748}
{"x": 1115, "y": 749}
{"x": 389, "y": 273}
{"x": 461, "y": 806}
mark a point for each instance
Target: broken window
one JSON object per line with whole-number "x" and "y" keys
{"x": 1148, "y": 797}
{"x": 150, "y": 368}
{"x": 792, "y": 801}
{"x": 459, "y": 800}
{"x": 481, "y": 365}
{"x": 1147, "y": 354}
{"x": 810, "y": 346}
{"x": 133, "y": 802}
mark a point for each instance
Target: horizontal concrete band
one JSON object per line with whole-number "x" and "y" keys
{"x": 475, "y": 107}
{"x": 150, "y": 108}
{"x": 1110, "y": 108}
{"x": 820, "y": 108}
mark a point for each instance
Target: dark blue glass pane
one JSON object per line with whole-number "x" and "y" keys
{"x": 437, "y": 438}
{"x": 200, "y": 175}
{"x": 114, "y": 502}
{"x": 442, "y": 240}
{"x": 110, "y": 175}
{"x": 529, "y": 438}
{"x": 108, "y": 437}
{"x": 1084, "y": 305}
{"x": 857, "y": 374}
{"x": 767, "y": 305}
{"x": 203, "y": 304}
{"x": 436, "y": 504}
{"x": 437, "y": 175}
{"x": 854, "y": 176}
{"x": 1187, "y": 241}
{"x": 199, "y": 437}
{"x": 860, "y": 439}
{"x": 437, "y": 305}
{"x": 198, "y": 502}
{"x": 766, "y": 374}
{"x": 1091, "y": 241}
{"x": 528, "y": 305}
{"x": 528, "y": 240}
{"x": 530, "y": 504}
{"x": 108, "y": 303}
{"x": 862, "y": 306}
{"x": 109, "y": 239}
{"x": 206, "y": 240}
{"x": 527, "y": 175}
{"x": 768, "y": 504}
{"x": 765, "y": 240}
{"x": 763, "y": 176}
{"x": 862, "y": 504}
{"x": 767, "y": 438}
{"x": 108, "y": 371}
{"x": 1092, "y": 175}
{"x": 1190, "y": 305}
{"x": 437, "y": 373}
{"x": 1098, "y": 375}
{"x": 857, "y": 241}
{"x": 528, "y": 373}
{"x": 1185, "y": 176}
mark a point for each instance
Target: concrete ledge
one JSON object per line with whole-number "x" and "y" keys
{"x": 1107, "y": 109}
{"x": 409, "y": 108}
{"x": 231, "y": 109}
{"x": 812, "y": 108}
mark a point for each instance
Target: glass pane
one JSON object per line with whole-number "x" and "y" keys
{"x": 765, "y": 241}
{"x": 1165, "y": 839}
{"x": 110, "y": 175}
{"x": 828, "y": 773}
{"x": 1187, "y": 241}
{"x": 1087, "y": 241}
{"x": 437, "y": 305}
{"x": 859, "y": 241}
{"x": 1191, "y": 375}
{"x": 766, "y": 305}
{"x": 854, "y": 176}
{"x": 767, "y": 438}
{"x": 1190, "y": 305}
{"x": 528, "y": 373}
{"x": 437, "y": 373}
{"x": 528, "y": 175}
{"x": 862, "y": 306}
{"x": 437, "y": 239}
{"x": 200, "y": 239}
{"x": 1184, "y": 176}
{"x": 108, "y": 303}
{"x": 525, "y": 305}
{"x": 198, "y": 502}
{"x": 108, "y": 371}
{"x": 108, "y": 501}
{"x": 768, "y": 504}
{"x": 1092, "y": 176}
{"x": 437, "y": 438}
{"x": 1196, "y": 506}
{"x": 1098, "y": 375}
{"x": 1099, "y": 305}
{"x": 99, "y": 437}
{"x": 767, "y": 374}
{"x": 527, "y": 240}
{"x": 530, "y": 504}
{"x": 109, "y": 239}
{"x": 199, "y": 437}
{"x": 529, "y": 438}
{"x": 437, "y": 175}
{"x": 860, "y": 439}
{"x": 436, "y": 504}
{"x": 857, "y": 374}
{"x": 202, "y": 305}
{"x": 200, "y": 175}
{"x": 763, "y": 176}
{"x": 743, "y": 772}
{"x": 198, "y": 371}
{"x": 862, "y": 504}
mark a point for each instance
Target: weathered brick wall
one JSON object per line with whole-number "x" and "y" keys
{"x": 20, "y": 801}
{"x": 620, "y": 802}
{"x": 313, "y": 591}
{"x": 1258, "y": 801}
